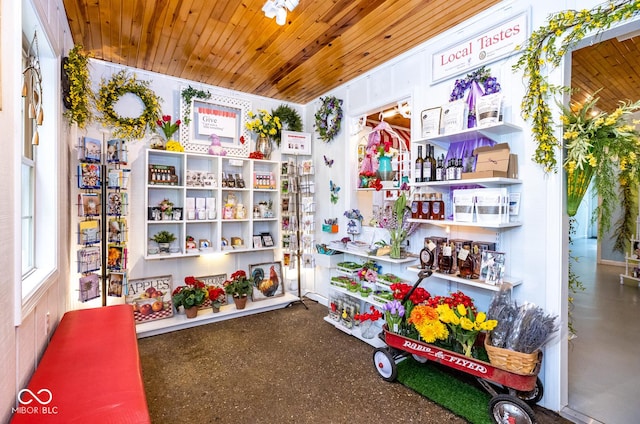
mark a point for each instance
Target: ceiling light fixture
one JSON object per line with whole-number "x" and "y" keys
{"x": 278, "y": 9}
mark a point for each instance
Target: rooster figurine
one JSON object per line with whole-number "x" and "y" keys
{"x": 267, "y": 286}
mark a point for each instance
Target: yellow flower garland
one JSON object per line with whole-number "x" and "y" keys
{"x": 78, "y": 93}
{"x": 542, "y": 47}
{"x": 111, "y": 91}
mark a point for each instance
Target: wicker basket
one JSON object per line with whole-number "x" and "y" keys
{"x": 510, "y": 360}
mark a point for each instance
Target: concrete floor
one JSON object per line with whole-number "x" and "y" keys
{"x": 604, "y": 364}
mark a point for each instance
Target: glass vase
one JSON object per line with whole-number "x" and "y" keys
{"x": 396, "y": 249}
{"x": 385, "y": 172}
{"x": 263, "y": 145}
{"x": 369, "y": 329}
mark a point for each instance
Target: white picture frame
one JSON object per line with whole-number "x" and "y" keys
{"x": 295, "y": 143}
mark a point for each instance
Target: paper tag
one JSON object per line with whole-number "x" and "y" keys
{"x": 431, "y": 245}
{"x": 462, "y": 254}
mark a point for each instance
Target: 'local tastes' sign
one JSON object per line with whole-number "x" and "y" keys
{"x": 482, "y": 48}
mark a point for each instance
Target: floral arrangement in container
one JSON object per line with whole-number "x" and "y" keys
{"x": 378, "y": 154}
{"x": 266, "y": 126}
{"x": 426, "y": 320}
{"x": 394, "y": 315}
{"x": 168, "y": 128}
{"x": 603, "y": 146}
{"x": 164, "y": 238}
{"x": 166, "y": 206}
{"x": 354, "y": 226}
{"x": 464, "y": 325}
{"x": 369, "y": 179}
{"x": 190, "y": 296}
{"x": 239, "y": 287}
{"x": 479, "y": 83}
{"x": 368, "y": 322}
{"x": 395, "y": 220}
{"x": 353, "y": 286}
{"x": 217, "y": 296}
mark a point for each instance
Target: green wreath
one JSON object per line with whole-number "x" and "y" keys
{"x": 111, "y": 91}
{"x": 330, "y": 106}
{"x": 290, "y": 120}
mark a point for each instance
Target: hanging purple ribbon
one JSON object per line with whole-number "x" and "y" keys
{"x": 475, "y": 91}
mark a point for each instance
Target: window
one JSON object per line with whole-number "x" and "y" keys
{"x": 39, "y": 176}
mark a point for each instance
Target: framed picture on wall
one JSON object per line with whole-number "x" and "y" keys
{"x": 295, "y": 143}
{"x": 220, "y": 115}
{"x": 266, "y": 279}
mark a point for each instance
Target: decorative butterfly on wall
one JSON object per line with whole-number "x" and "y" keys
{"x": 334, "y": 192}
{"x": 328, "y": 162}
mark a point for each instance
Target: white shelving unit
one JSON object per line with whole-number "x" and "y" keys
{"x": 213, "y": 231}
{"x": 468, "y": 282}
{"x": 632, "y": 260}
{"x": 206, "y": 316}
{"x": 364, "y": 302}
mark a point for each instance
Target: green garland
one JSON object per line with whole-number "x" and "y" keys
{"x": 189, "y": 94}
{"x": 548, "y": 45}
{"x": 331, "y": 106}
{"x": 111, "y": 91}
{"x": 290, "y": 120}
{"x": 77, "y": 95}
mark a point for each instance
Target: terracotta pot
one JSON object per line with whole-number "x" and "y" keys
{"x": 240, "y": 302}
{"x": 191, "y": 312}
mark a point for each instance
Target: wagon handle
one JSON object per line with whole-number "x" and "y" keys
{"x": 422, "y": 274}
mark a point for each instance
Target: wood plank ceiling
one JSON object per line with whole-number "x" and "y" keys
{"x": 324, "y": 43}
{"x": 231, "y": 44}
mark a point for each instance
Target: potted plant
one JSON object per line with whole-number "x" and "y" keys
{"x": 216, "y": 296}
{"x": 238, "y": 286}
{"x": 190, "y": 296}
{"x": 164, "y": 239}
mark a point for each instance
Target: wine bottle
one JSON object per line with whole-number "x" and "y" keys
{"x": 432, "y": 158}
{"x": 418, "y": 170}
{"x": 427, "y": 164}
{"x": 439, "y": 169}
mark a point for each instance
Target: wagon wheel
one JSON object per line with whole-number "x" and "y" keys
{"x": 509, "y": 409}
{"x": 385, "y": 364}
{"x": 533, "y": 396}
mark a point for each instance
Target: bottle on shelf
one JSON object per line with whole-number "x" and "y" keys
{"x": 445, "y": 263}
{"x": 426, "y": 164}
{"x": 437, "y": 207}
{"x": 415, "y": 206}
{"x": 425, "y": 207}
{"x": 426, "y": 254}
{"x": 440, "y": 169}
{"x": 459, "y": 169}
{"x": 418, "y": 173}
{"x": 465, "y": 261}
{"x": 434, "y": 164}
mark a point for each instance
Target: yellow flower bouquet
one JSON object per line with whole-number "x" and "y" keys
{"x": 264, "y": 124}
{"x": 464, "y": 325}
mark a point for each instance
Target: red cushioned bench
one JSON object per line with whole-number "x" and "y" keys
{"x": 90, "y": 372}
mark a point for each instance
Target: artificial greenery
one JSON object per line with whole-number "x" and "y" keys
{"x": 78, "y": 97}
{"x": 457, "y": 393}
{"x": 189, "y": 94}
{"x": 331, "y": 108}
{"x": 290, "y": 120}
{"x": 112, "y": 90}
{"x": 548, "y": 45}
{"x": 163, "y": 237}
{"x": 605, "y": 146}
